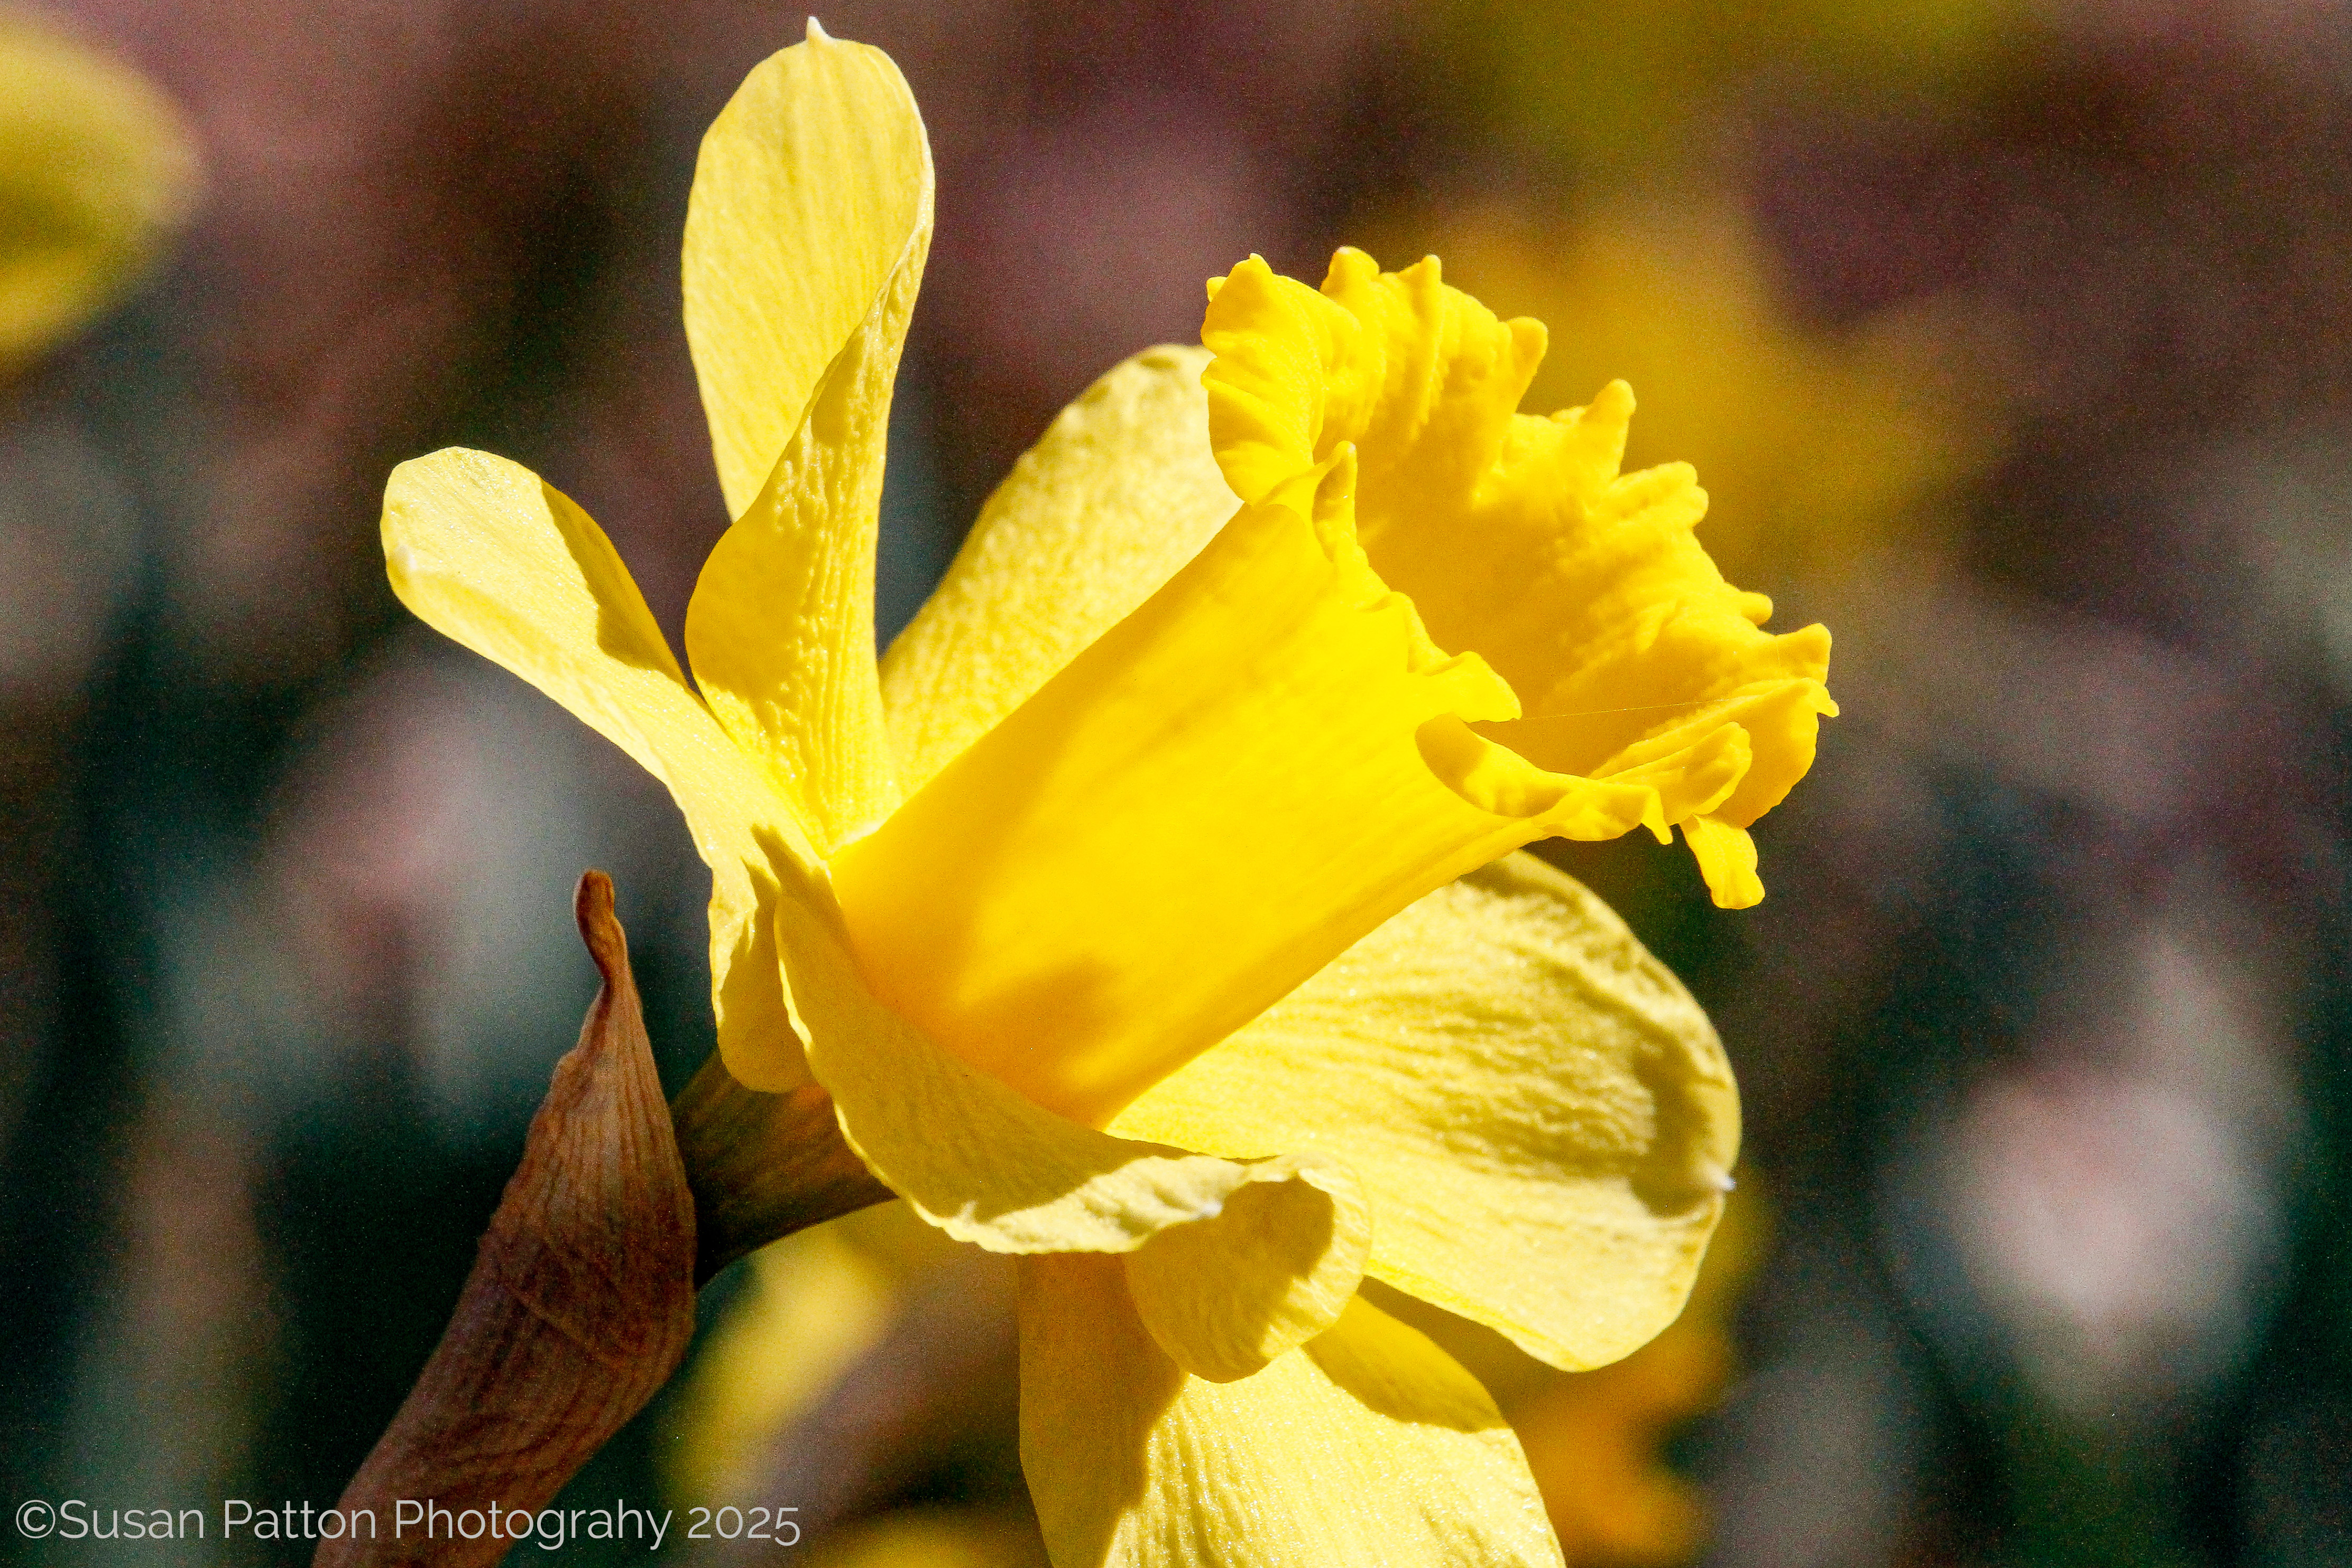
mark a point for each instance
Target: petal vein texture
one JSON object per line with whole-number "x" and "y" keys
{"x": 1368, "y": 1445}
{"x": 806, "y": 237}
{"x": 1541, "y": 1117}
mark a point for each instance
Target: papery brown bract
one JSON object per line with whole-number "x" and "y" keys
{"x": 580, "y": 1302}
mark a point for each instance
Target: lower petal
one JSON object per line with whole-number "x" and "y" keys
{"x": 1225, "y": 1297}
{"x": 1540, "y": 1115}
{"x": 1727, "y": 859}
{"x": 1367, "y": 1445}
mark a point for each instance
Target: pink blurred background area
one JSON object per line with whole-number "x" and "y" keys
{"x": 2011, "y": 338}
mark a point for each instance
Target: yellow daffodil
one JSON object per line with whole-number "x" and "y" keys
{"x": 1132, "y": 909}
{"x": 96, "y": 167}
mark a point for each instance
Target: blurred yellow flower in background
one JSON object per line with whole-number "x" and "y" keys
{"x": 1817, "y": 444}
{"x": 97, "y": 169}
{"x": 1618, "y": 86}
{"x": 811, "y": 1306}
{"x": 1149, "y": 912}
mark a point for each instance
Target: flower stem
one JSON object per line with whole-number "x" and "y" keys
{"x": 761, "y": 1165}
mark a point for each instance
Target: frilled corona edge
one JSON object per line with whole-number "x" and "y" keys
{"x": 1629, "y": 660}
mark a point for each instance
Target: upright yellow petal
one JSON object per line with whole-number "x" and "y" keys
{"x": 1541, "y": 1116}
{"x": 812, "y": 184}
{"x": 1517, "y": 538}
{"x": 487, "y": 555}
{"x": 1233, "y": 1261}
{"x": 1218, "y": 795}
{"x": 806, "y": 237}
{"x": 1367, "y": 1445}
{"x": 1119, "y": 492}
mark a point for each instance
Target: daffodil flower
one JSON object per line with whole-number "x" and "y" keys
{"x": 1131, "y": 909}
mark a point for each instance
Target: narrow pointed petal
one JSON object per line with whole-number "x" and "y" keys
{"x": 1235, "y": 1260}
{"x": 1539, "y": 1114}
{"x": 1516, "y": 537}
{"x": 1211, "y": 802}
{"x": 1119, "y": 493}
{"x": 806, "y": 238}
{"x": 1368, "y": 1445}
{"x": 487, "y": 554}
{"x": 811, "y": 186}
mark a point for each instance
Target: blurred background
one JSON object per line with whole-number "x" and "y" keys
{"x": 2012, "y": 338}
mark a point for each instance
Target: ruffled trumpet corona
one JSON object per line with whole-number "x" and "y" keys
{"x": 1150, "y": 911}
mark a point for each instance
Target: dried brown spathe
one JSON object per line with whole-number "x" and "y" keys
{"x": 581, "y": 1302}
{"x": 582, "y": 1298}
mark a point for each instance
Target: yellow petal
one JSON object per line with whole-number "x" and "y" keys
{"x": 1727, "y": 858}
{"x": 1119, "y": 492}
{"x": 812, "y": 183}
{"x": 806, "y": 238}
{"x": 1247, "y": 1257}
{"x": 1539, "y": 1114}
{"x": 1226, "y": 1298}
{"x": 1516, "y": 536}
{"x": 1219, "y": 795}
{"x": 1368, "y": 1445}
{"x": 485, "y": 553}
{"x": 96, "y": 167}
